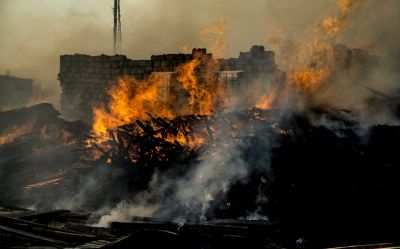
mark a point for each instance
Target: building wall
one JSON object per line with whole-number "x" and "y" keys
{"x": 84, "y": 79}
{"x": 14, "y": 92}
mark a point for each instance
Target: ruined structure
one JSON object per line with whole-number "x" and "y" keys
{"x": 84, "y": 79}
{"x": 14, "y": 92}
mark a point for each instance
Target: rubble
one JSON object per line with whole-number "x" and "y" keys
{"x": 321, "y": 178}
{"x": 44, "y": 153}
{"x": 24, "y": 228}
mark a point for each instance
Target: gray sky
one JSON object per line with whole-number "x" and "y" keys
{"x": 35, "y": 32}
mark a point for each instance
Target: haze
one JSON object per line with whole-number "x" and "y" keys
{"x": 34, "y": 33}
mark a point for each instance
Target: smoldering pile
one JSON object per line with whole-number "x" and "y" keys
{"x": 294, "y": 168}
{"x": 141, "y": 147}
{"x": 38, "y": 151}
{"x": 288, "y": 157}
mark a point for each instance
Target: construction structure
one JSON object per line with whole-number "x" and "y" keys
{"x": 84, "y": 79}
{"x": 117, "y": 45}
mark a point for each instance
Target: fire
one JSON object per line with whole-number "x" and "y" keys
{"x": 312, "y": 59}
{"x": 14, "y": 132}
{"x": 332, "y": 25}
{"x": 346, "y": 6}
{"x": 130, "y": 100}
{"x": 308, "y": 79}
{"x": 267, "y": 101}
{"x": 192, "y": 142}
{"x": 201, "y": 98}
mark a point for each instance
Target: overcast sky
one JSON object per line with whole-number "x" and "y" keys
{"x": 34, "y": 33}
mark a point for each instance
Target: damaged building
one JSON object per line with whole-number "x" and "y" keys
{"x": 10, "y": 87}
{"x": 84, "y": 79}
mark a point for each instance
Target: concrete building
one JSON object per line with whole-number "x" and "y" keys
{"x": 14, "y": 92}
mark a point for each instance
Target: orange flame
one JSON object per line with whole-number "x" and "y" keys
{"x": 130, "y": 100}
{"x": 308, "y": 79}
{"x": 201, "y": 98}
{"x": 346, "y": 6}
{"x": 334, "y": 24}
{"x": 267, "y": 101}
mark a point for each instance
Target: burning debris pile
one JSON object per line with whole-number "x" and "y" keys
{"x": 176, "y": 148}
{"x": 160, "y": 142}
{"x": 154, "y": 159}
{"x": 192, "y": 158}
{"x": 188, "y": 139}
{"x": 292, "y": 161}
{"x": 38, "y": 149}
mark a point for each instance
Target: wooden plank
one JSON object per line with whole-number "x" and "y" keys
{"x": 39, "y": 228}
{"x": 43, "y": 215}
{"x": 31, "y": 235}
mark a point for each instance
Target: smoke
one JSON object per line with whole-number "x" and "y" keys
{"x": 215, "y": 35}
{"x": 32, "y": 40}
{"x": 298, "y": 31}
{"x": 185, "y": 198}
{"x": 316, "y": 65}
{"x": 203, "y": 188}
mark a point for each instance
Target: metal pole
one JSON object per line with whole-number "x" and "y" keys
{"x": 115, "y": 9}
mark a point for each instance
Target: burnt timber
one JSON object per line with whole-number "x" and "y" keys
{"x": 23, "y": 228}
{"x": 329, "y": 187}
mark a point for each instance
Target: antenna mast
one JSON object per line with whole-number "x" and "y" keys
{"x": 117, "y": 28}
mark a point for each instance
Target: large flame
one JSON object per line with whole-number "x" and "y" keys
{"x": 201, "y": 96}
{"x": 132, "y": 100}
{"x": 313, "y": 59}
{"x": 331, "y": 24}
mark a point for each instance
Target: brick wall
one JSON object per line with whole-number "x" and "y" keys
{"x": 84, "y": 79}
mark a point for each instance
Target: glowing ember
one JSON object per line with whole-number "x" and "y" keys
{"x": 44, "y": 183}
{"x": 14, "y": 132}
{"x": 267, "y": 101}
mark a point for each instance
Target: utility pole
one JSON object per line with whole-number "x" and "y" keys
{"x": 117, "y": 28}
